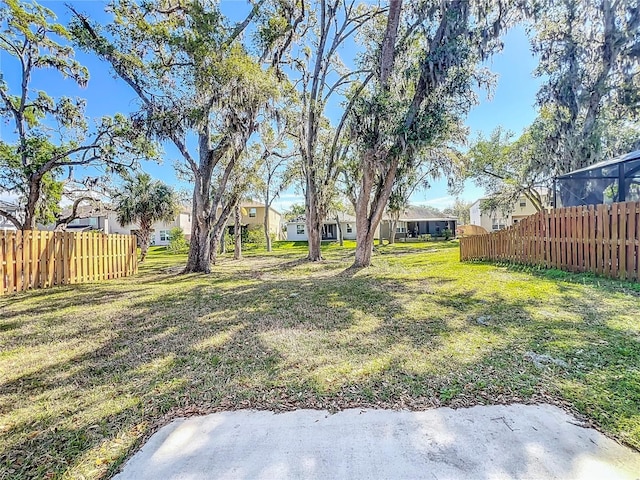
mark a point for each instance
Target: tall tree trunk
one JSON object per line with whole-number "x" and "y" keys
{"x": 216, "y": 240}
{"x": 29, "y": 222}
{"x": 220, "y": 227}
{"x": 199, "y": 259}
{"x": 364, "y": 247}
{"x": 237, "y": 233}
{"x": 314, "y": 224}
{"x": 340, "y": 237}
{"x": 393, "y": 225}
{"x": 266, "y": 222}
{"x": 145, "y": 239}
{"x": 369, "y": 212}
{"x": 199, "y": 251}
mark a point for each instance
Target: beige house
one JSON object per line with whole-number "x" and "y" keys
{"x": 495, "y": 220}
{"x": 253, "y": 214}
{"x": 107, "y": 221}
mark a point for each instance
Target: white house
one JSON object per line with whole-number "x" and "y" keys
{"x": 297, "y": 228}
{"x": 12, "y": 209}
{"x": 159, "y": 230}
{"x": 493, "y": 220}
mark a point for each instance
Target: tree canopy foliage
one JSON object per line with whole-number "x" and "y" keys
{"x": 52, "y": 135}
{"x": 588, "y": 103}
{"x": 427, "y": 62}
{"x": 250, "y": 104}
{"x": 196, "y": 76}
{"x": 143, "y": 201}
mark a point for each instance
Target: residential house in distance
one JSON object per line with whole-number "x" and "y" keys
{"x": 416, "y": 221}
{"x": 495, "y": 220}
{"x": 253, "y": 215}
{"x": 297, "y": 228}
{"x": 160, "y": 230}
{"x": 91, "y": 219}
{"x": 12, "y": 209}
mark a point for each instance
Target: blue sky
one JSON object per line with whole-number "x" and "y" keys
{"x": 512, "y": 103}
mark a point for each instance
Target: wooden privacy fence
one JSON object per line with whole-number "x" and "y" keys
{"x": 41, "y": 259}
{"x": 603, "y": 239}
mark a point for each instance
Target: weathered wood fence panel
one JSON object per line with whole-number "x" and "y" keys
{"x": 603, "y": 239}
{"x": 41, "y": 259}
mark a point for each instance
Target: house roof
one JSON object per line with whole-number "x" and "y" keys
{"x": 87, "y": 211}
{"x": 79, "y": 228}
{"x": 8, "y": 206}
{"x": 422, "y": 214}
{"x": 246, "y": 204}
{"x": 541, "y": 191}
{"x": 331, "y": 218}
{"x": 253, "y": 203}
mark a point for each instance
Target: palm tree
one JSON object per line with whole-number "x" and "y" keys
{"x": 145, "y": 201}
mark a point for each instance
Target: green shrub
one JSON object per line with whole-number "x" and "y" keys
{"x": 255, "y": 235}
{"x": 177, "y": 241}
{"x": 228, "y": 241}
{"x": 446, "y": 233}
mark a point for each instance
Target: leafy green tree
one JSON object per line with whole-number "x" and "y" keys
{"x": 507, "y": 168}
{"x": 589, "y": 56}
{"x": 144, "y": 201}
{"x": 275, "y": 170}
{"x": 322, "y": 78}
{"x": 427, "y": 62}
{"x": 200, "y": 87}
{"x": 588, "y": 104}
{"x": 294, "y": 211}
{"x": 177, "y": 241}
{"x": 52, "y": 135}
{"x": 461, "y": 210}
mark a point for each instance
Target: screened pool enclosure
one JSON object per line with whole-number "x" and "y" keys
{"x": 616, "y": 180}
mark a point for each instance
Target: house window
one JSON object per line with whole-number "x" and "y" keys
{"x": 523, "y": 203}
{"x": 349, "y": 229}
{"x": 252, "y": 213}
{"x": 164, "y": 235}
{"x": 93, "y": 221}
{"x": 300, "y": 229}
{"x": 399, "y": 229}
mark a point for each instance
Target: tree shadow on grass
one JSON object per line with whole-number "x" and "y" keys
{"x": 168, "y": 352}
{"x": 281, "y": 344}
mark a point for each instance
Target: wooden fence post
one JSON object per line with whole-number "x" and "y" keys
{"x": 603, "y": 239}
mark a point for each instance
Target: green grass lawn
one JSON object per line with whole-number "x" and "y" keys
{"x": 87, "y": 372}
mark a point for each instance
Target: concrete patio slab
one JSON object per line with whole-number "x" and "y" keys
{"x": 501, "y": 442}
